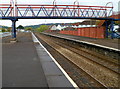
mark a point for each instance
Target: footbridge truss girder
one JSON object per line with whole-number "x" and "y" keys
{"x": 33, "y": 10}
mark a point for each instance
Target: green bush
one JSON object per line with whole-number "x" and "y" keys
{"x": 42, "y": 28}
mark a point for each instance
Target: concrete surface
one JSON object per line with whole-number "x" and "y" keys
{"x": 21, "y": 64}
{"x": 27, "y": 65}
{"x": 54, "y": 75}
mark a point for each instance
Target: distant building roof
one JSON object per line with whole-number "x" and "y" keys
{"x": 69, "y": 28}
{"x": 53, "y": 27}
{"x": 59, "y": 27}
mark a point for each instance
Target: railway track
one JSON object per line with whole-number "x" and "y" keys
{"x": 93, "y": 65}
{"x": 107, "y": 62}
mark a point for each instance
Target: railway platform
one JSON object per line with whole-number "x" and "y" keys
{"x": 112, "y": 44}
{"x": 26, "y": 63}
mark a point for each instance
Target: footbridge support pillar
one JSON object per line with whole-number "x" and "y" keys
{"x": 14, "y": 27}
{"x": 112, "y": 29}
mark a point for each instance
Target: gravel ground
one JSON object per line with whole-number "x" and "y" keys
{"x": 80, "y": 77}
{"x": 105, "y": 42}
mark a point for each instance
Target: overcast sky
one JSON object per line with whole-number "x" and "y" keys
{"x": 39, "y": 21}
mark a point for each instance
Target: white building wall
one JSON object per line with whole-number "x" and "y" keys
{"x": 59, "y": 27}
{"x": 53, "y": 27}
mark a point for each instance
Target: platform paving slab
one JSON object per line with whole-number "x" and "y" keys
{"x": 55, "y": 77}
{"x": 21, "y": 66}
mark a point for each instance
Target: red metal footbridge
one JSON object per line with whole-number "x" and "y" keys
{"x": 14, "y": 11}
{"x": 54, "y": 10}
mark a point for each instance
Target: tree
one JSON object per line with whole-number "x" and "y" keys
{"x": 20, "y": 27}
{"x": 97, "y": 22}
{"x": 42, "y": 28}
{"x": 28, "y": 28}
{"x": 117, "y": 22}
{"x": 3, "y": 30}
{"x": 9, "y": 29}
